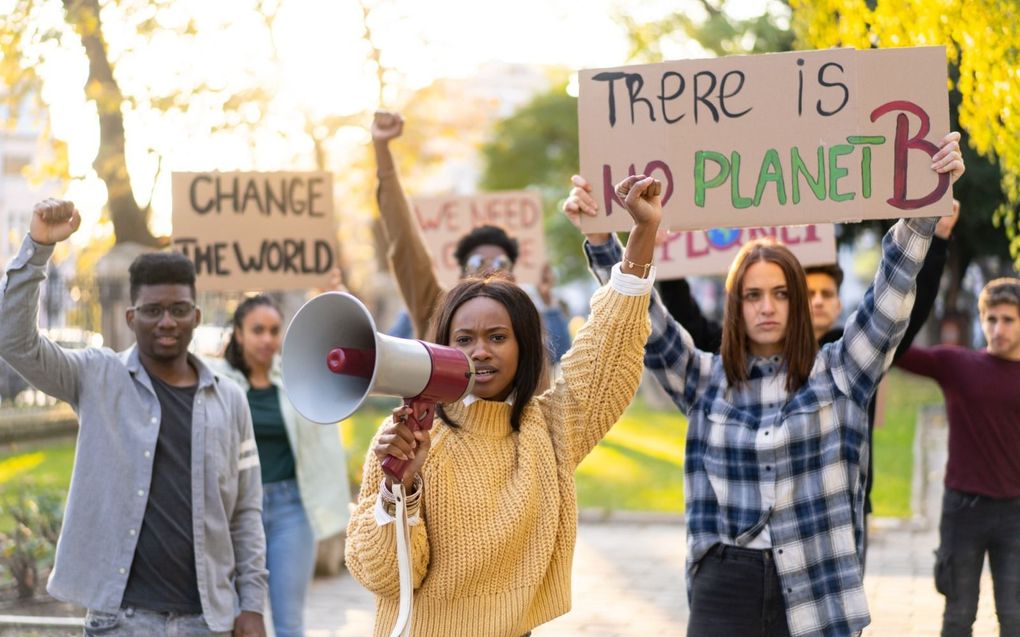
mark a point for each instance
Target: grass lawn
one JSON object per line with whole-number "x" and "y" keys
{"x": 638, "y": 466}
{"x": 892, "y": 450}
{"x": 47, "y": 464}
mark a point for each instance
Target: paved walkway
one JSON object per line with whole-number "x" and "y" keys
{"x": 628, "y": 576}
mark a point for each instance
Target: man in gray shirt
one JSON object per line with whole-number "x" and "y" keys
{"x": 162, "y": 532}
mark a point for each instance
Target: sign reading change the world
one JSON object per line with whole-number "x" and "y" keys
{"x": 256, "y": 231}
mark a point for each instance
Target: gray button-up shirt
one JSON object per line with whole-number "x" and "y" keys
{"x": 119, "y": 417}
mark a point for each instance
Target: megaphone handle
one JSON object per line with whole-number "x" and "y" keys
{"x": 395, "y": 467}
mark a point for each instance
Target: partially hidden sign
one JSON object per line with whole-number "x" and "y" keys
{"x": 766, "y": 140}
{"x": 256, "y": 231}
{"x": 710, "y": 252}
{"x": 445, "y": 219}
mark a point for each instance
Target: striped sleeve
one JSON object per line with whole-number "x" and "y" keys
{"x": 248, "y": 455}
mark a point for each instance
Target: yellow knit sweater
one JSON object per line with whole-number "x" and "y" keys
{"x": 493, "y": 551}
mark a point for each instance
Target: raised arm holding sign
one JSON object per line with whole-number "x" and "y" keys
{"x": 777, "y": 442}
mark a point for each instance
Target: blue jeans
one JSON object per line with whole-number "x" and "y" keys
{"x": 290, "y": 555}
{"x": 736, "y": 593}
{"x": 972, "y": 526}
{"x": 136, "y": 622}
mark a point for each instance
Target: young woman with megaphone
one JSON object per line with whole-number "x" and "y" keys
{"x": 490, "y": 488}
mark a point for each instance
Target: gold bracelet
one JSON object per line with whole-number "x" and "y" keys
{"x": 644, "y": 267}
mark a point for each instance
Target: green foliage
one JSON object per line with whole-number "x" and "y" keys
{"x": 977, "y": 234}
{"x": 983, "y": 47}
{"x": 27, "y": 545}
{"x": 716, "y": 31}
{"x": 823, "y": 24}
{"x": 357, "y": 433}
{"x": 537, "y": 147}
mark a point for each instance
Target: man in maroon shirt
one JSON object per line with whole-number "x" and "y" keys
{"x": 981, "y": 505}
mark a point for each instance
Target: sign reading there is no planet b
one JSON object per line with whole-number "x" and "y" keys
{"x": 769, "y": 140}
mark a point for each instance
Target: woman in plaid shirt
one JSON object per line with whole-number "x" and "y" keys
{"x": 777, "y": 446}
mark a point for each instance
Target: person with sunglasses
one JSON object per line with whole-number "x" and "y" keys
{"x": 485, "y": 249}
{"x": 162, "y": 532}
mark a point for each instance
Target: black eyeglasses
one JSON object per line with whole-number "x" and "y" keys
{"x": 477, "y": 263}
{"x": 153, "y": 312}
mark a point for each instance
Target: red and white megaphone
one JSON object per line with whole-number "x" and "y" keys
{"x": 333, "y": 358}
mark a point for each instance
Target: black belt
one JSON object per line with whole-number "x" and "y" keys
{"x": 977, "y": 497}
{"x": 741, "y": 553}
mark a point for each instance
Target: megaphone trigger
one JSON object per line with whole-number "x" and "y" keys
{"x": 423, "y": 413}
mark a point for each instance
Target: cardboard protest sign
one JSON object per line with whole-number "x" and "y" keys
{"x": 765, "y": 140}
{"x": 256, "y": 231}
{"x": 708, "y": 252}
{"x": 445, "y": 219}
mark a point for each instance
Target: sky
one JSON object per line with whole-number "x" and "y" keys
{"x": 319, "y": 68}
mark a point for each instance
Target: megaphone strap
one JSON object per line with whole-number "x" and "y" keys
{"x": 402, "y": 627}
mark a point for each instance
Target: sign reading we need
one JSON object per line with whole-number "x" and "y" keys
{"x": 256, "y": 231}
{"x": 709, "y": 252}
{"x": 445, "y": 219}
{"x": 766, "y": 140}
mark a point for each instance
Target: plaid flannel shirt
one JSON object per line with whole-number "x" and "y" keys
{"x": 812, "y": 455}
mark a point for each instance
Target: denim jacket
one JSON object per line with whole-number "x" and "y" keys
{"x": 119, "y": 418}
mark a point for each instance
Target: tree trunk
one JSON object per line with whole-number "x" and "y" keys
{"x": 23, "y": 569}
{"x": 130, "y": 222}
{"x": 955, "y": 323}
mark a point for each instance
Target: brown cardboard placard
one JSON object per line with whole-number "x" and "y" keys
{"x": 710, "y": 252}
{"x": 445, "y": 219}
{"x": 765, "y": 140}
{"x": 256, "y": 230}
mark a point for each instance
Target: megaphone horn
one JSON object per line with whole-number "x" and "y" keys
{"x": 333, "y": 358}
